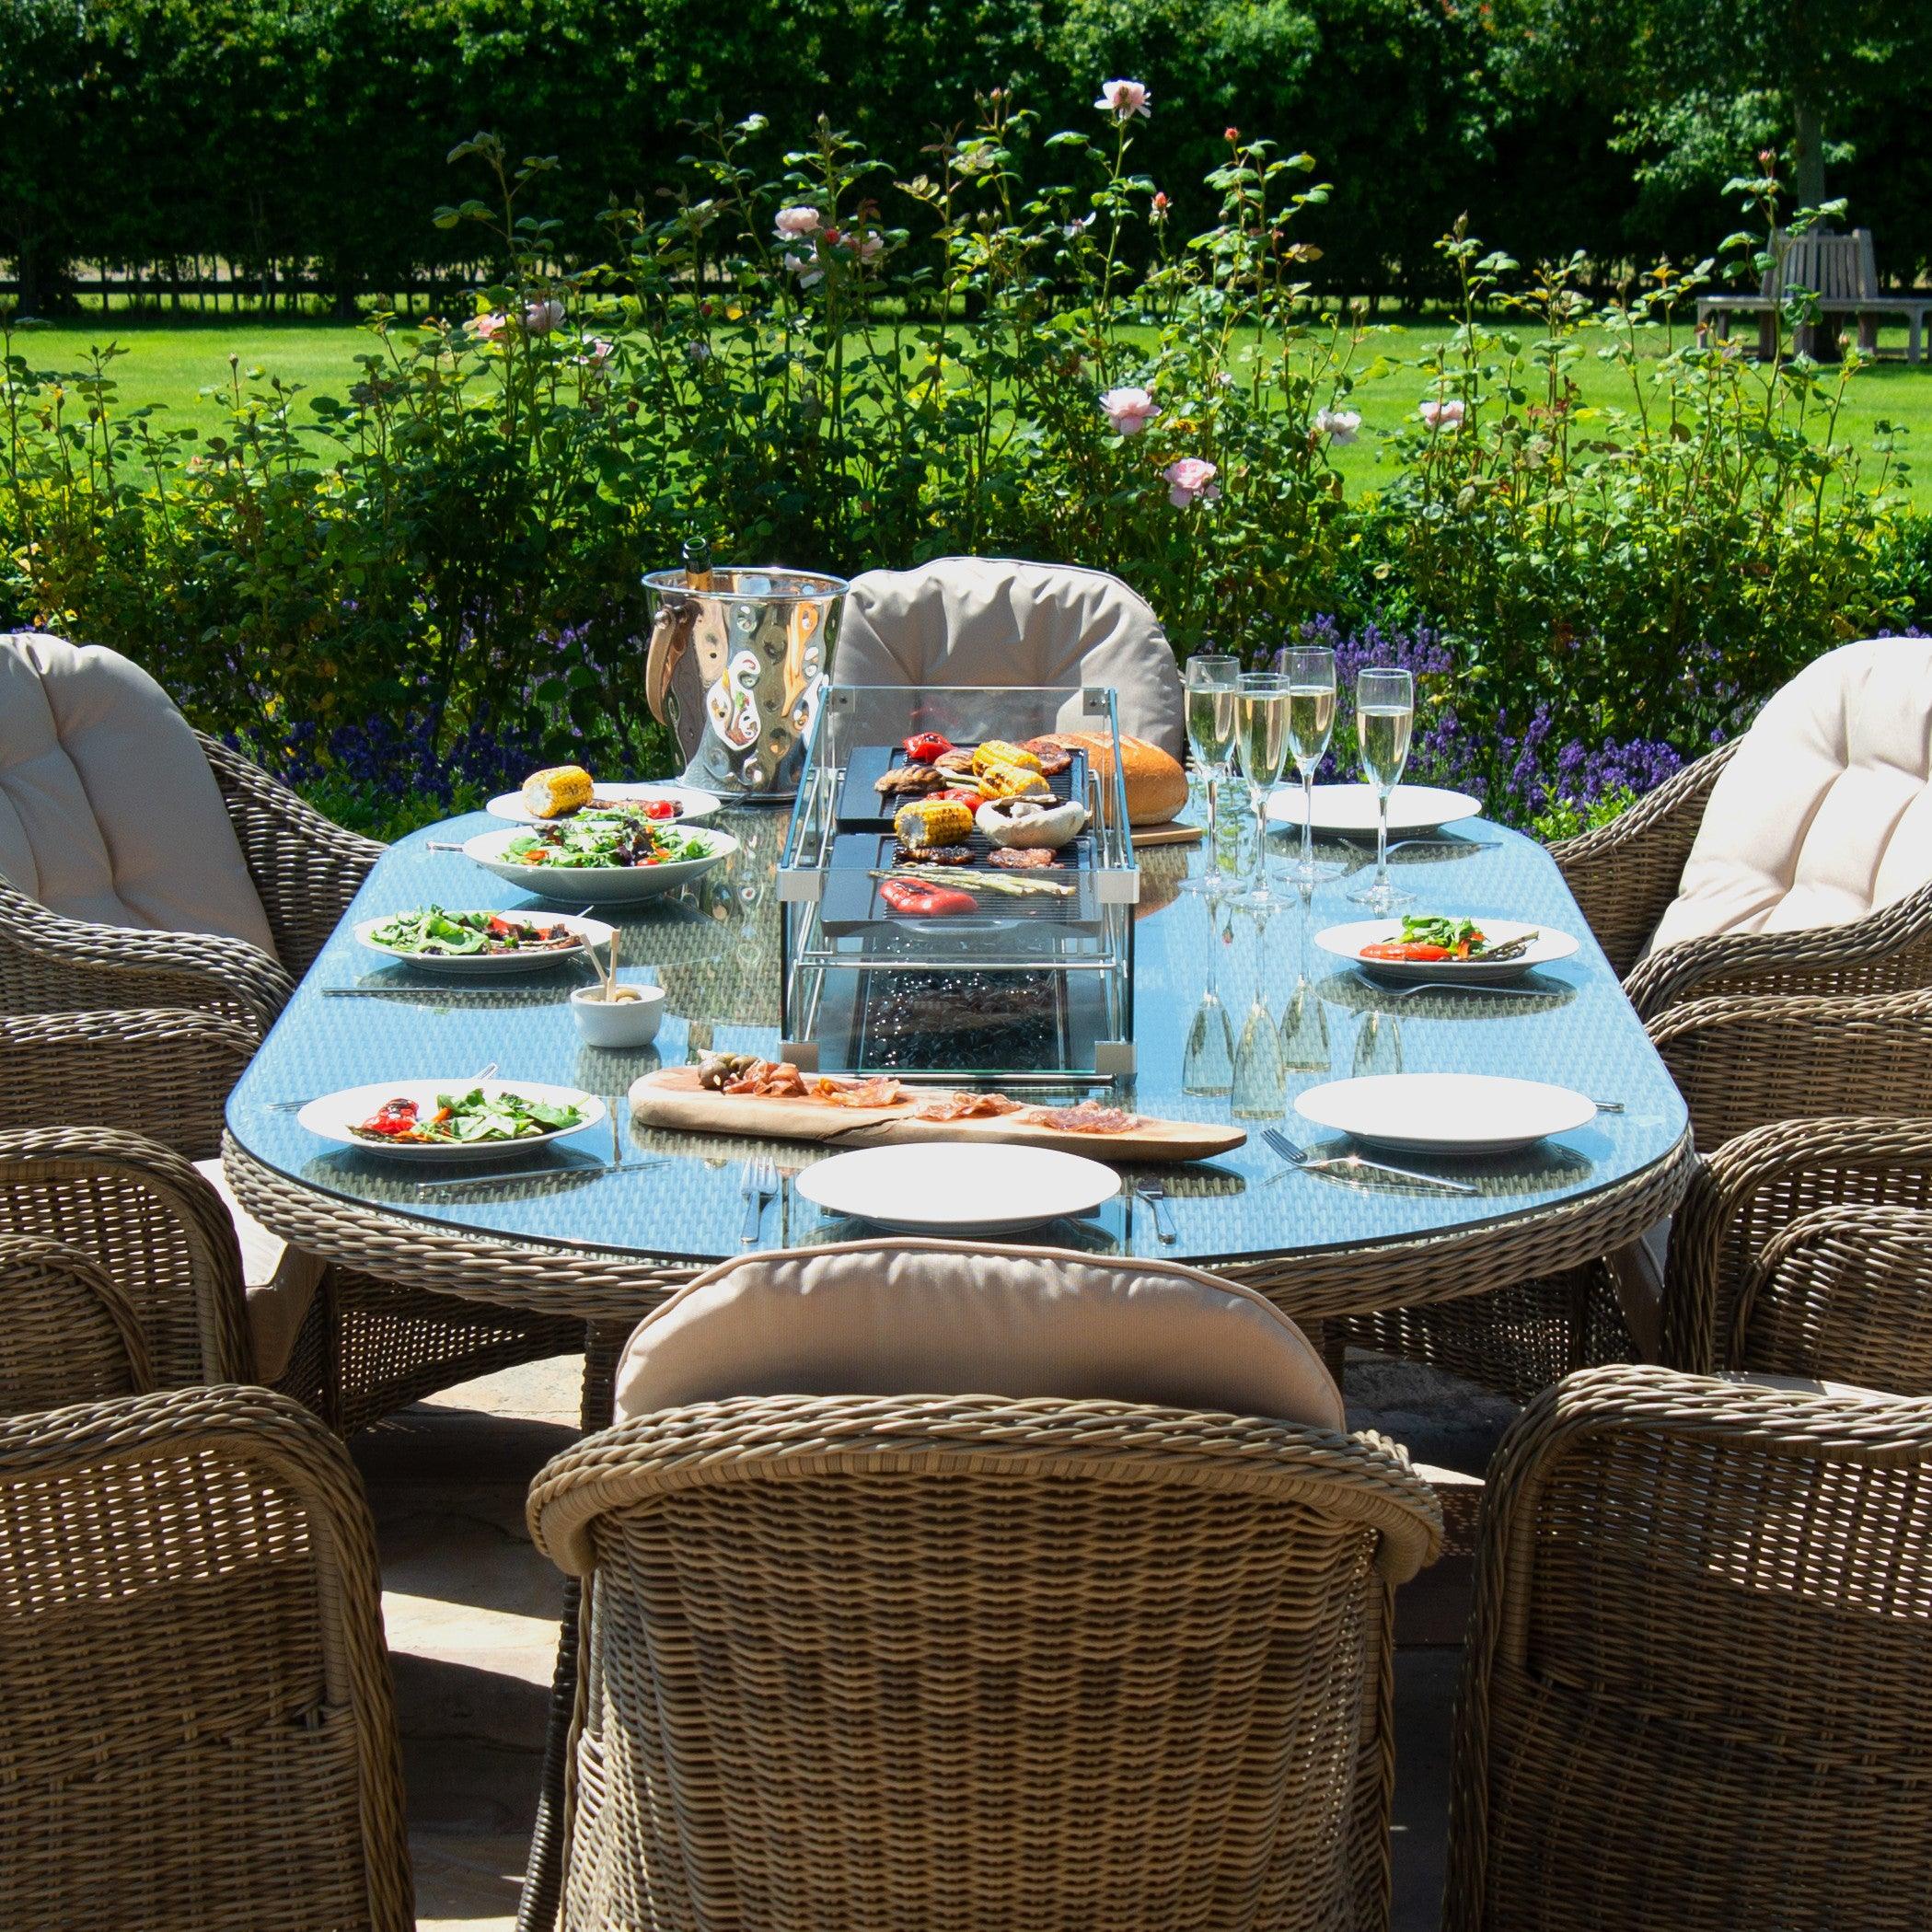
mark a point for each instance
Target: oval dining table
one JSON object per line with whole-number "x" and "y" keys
{"x": 616, "y": 1217}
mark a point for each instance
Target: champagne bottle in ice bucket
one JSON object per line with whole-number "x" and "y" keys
{"x": 738, "y": 661}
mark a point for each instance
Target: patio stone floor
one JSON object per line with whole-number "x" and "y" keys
{"x": 470, "y": 1611}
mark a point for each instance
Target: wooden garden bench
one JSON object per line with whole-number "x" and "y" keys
{"x": 1841, "y": 272}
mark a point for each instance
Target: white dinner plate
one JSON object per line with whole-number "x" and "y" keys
{"x": 1347, "y": 942}
{"x": 600, "y": 884}
{"x": 690, "y": 802}
{"x": 591, "y": 933}
{"x": 333, "y": 1115}
{"x": 951, "y": 1187}
{"x": 1446, "y": 1113}
{"x": 1350, "y": 809}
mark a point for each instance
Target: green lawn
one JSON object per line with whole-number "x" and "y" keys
{"x": 172, "y": 365}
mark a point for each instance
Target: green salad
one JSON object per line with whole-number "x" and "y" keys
{"x": 465, "y": 1118}
{"x": 598, "y": 840}
{"x": 429, "y": 931}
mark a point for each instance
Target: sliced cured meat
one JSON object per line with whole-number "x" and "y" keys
{"x": 1088, "y": 1118}
{"x": 778, "y": 1079}
{"x": 880, "y": 1090}
{"x": 937, "y": 854}
{"x": 1023, "y": 858}
{"x": 1053, "y": 755}
{"x": 968, "y": 1107}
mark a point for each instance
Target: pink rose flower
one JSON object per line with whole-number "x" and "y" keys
{"x": 1442, "y": 415}
{"x": 806, "y": 268}
{"x": 867, "y": 247}
{"x": 795, "y": 224}
{"x": 1129, "y": 411}
{"x": 1124, "y": 99}
{"x": 488, "y": 328}
{"x": 597, "y": 352}
{"x": 1338, "y": 425}
{"x": 1188, "y": 480}
{"x": 540, "y": 318}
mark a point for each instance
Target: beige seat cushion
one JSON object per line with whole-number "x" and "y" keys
{"x": 108, "y": 810}
{"x": 965, "y": 621}
{"x": 1824, "y": 814}
{"x": 936, "y": 1318}
{"x": 281, "y": 1280}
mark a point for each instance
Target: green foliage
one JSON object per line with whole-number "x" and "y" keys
{"x": 845, "y": 363}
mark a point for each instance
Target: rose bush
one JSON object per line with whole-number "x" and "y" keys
{"x": 433, "y": 578}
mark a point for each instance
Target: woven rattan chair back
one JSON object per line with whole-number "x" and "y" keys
{"x": 1843, "y": 1294}
{"x": 1697, "y": 1689}
{"x": 969, "y": 1664}
{"x": 150, "y": 1223}
{"x": 67, "y": 1333}
{"x": 196, "y": 1728}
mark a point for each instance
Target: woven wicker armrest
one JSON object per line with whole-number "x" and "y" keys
{"x": 165, "y": 1072}
{"x": 304, "y": 866}
{"x": 1753, "y": 1187}
{"x": 1843, "y": 1294}
{"x": 152, "y": 1225}
{"x": 201, "y": 1727}
{"x": 49, "y": 965}
{"x": 1694, "y": 1688}
{"x": 68, "y": 1332}
{"x": 1625, "y": 874}
{"x": 1888, "y": 951}
{"x": 1744, "y": 1062}
{"x": 775, "y": 1438}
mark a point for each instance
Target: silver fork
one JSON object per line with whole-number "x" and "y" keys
{"x": 1299, "y": 1157}
{"x": 760, "y": 1185}
{"x": 1153, "y": 1191}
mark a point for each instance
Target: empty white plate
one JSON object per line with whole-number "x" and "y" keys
{"x": 591, "y": 933}
{"x": 950, "y": 1186}
{"x": 690, "y": 802}
{"x": 1347, "y": 942}
{"x": 1446, "y": 1113}
{"x": 1350, "y": 809}
{"x": 334, "y": 1114}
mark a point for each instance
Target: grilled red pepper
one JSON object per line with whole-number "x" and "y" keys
{"x": 393, "y": 1117}
{"x": 923, "y": 746}
{"x": 916, "y": 900}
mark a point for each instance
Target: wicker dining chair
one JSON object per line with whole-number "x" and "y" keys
{"x": 975, "y": 1661}
{"x": 1790, "y": 860}
{"x": 68, "y": 1331}
{"x": 301, "y": 870}
{"x": 197, "y": 1729}
{"x": 1697, "y": 1686}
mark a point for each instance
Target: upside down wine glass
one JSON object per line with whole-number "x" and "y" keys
{"x": 1311, "y": 723}
{"x": 1213, "y": 686}
{"x": 1384, "y": 716}
{"x": 1261, "y": 737}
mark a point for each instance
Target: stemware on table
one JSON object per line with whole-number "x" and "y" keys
{"x": 1384, "y": 717}
{"x": 1304, "y": 1019}
{"x": 1309, "y": 670}
{"x": 1261, "y": 741}
{"x": 1207, "y": 1064}
{"x": 1213, "y": 686}
{"x": 1260, "y": 1085}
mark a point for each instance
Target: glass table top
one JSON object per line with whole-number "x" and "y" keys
{"x": 715, "y": 948}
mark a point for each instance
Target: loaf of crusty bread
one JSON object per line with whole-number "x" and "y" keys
{"x": 1156, "y": 786}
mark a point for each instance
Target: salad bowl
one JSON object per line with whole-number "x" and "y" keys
{"x": 1544, "y": 945}
{"x": 335, "y": 1117}
{"x": 413, "y": 938}
{"x": 580, "y": 863}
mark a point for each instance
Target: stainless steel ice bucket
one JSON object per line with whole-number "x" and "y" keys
{"x": 737, "y": 661}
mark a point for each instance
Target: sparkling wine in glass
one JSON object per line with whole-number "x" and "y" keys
{"x": 1213, "y": 687}
{"x": 1261, "y": 739}
{"x": 1310, "y": 671}
{"x": 1384, "y": 716}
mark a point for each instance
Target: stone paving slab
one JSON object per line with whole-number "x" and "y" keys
{"x": 471, "y": 1611}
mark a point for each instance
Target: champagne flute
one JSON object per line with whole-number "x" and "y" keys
{"x": 1213, "y": 685}
{"x": 1377, "y": 1045}
{"x": 1384, "y": 716}
{"x": 1311, "y": 722}
{"x": 1207, "y": 1062}
{"x": 1260, "y": 1085}
{"x": 1261, "y": 737}
{"x": 1304, "y": 1024}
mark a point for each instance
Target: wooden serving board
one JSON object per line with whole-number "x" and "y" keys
{"x": 672, "y": 1098}
{"x": 1169, "y": 834}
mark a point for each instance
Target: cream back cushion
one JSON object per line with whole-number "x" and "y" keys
{"x": 1824, "y": 814}
{"x": 992, "y": 621}
{"x": 108, "y": 810}
{"x": 934, "y": 1318}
